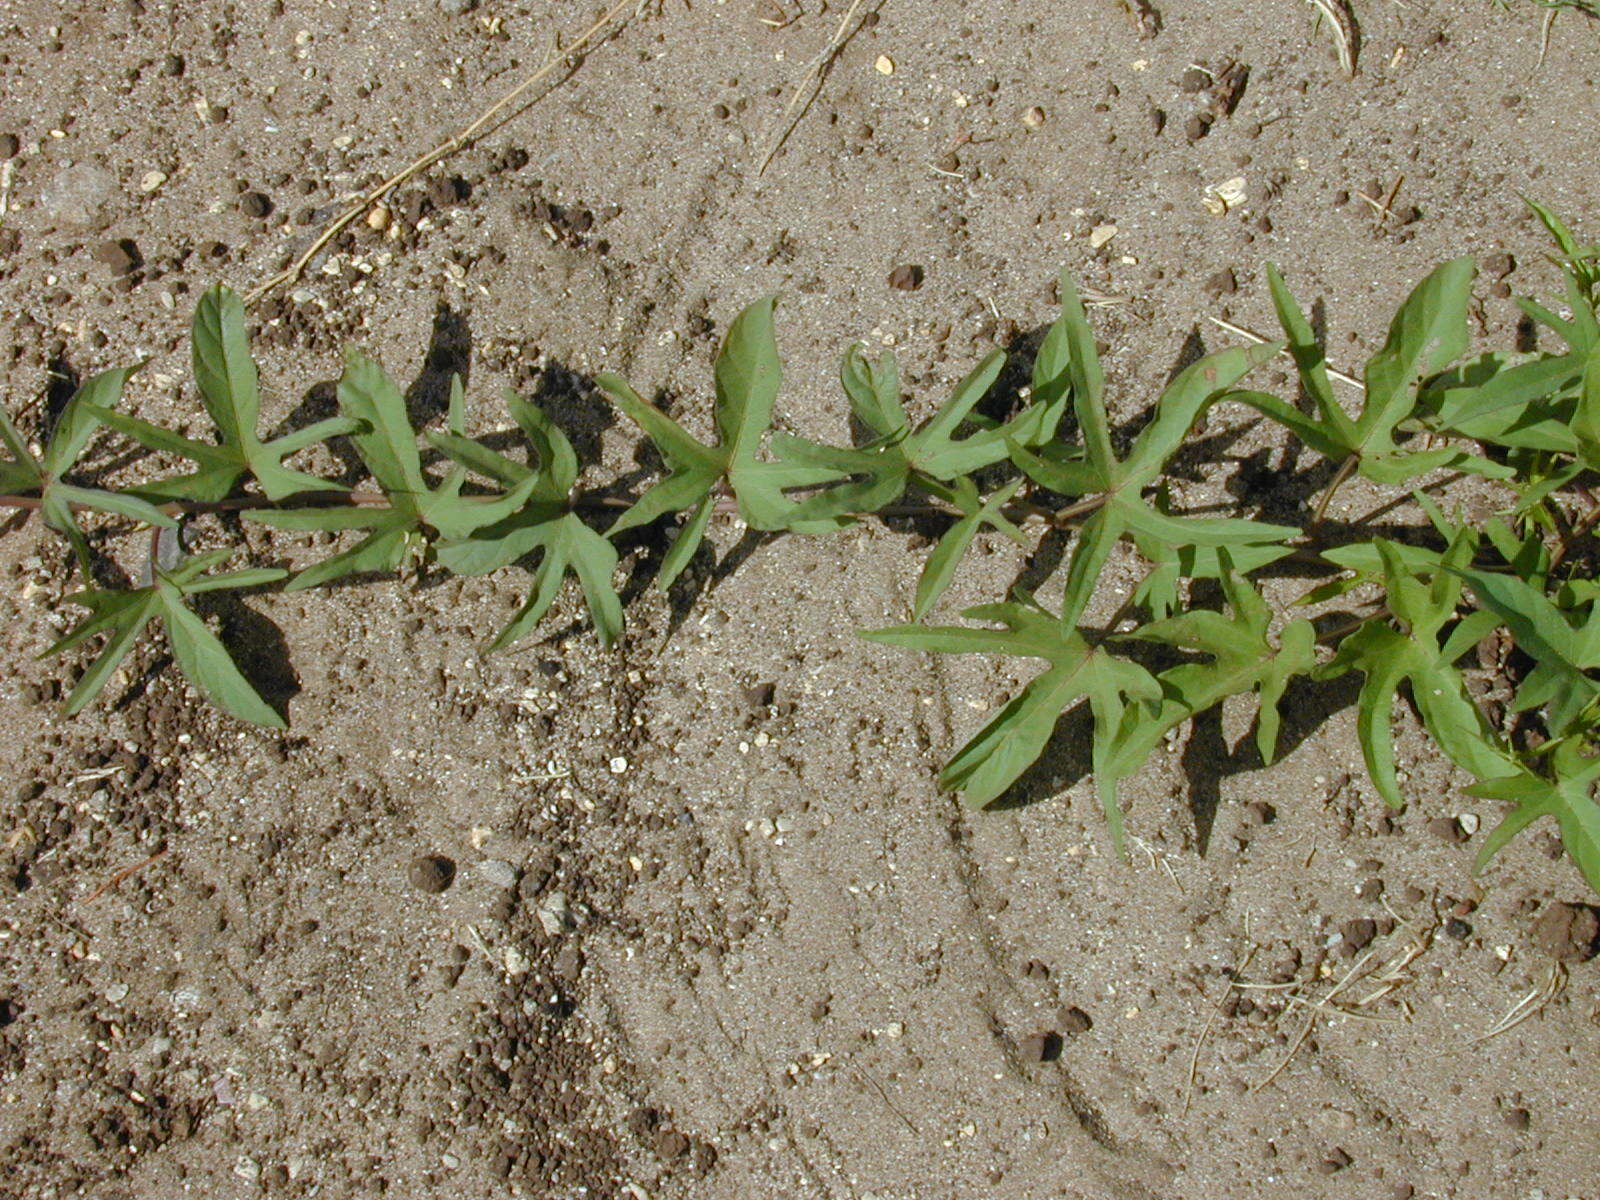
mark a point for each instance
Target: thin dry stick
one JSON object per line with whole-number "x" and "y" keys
{"x": 1544, "y": 38}
{"x": 1251, "y": 336}
{"x": 1211, "y": 1019}
{"x": 1345, "y": 34}
{"x": 370, "y": 197}
{"x": 1529, "y": 1005}
{"x": 1317, "y": 1010}
{"x": 126, "y": 872}
{"x": 884, "y": 1096}
{"x": 1384, "y": 208}
{"x": 809, "y": 84}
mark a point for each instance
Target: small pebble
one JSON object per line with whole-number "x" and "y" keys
{"x": 10, "y": 145}
{"x": 1074, "y": 1020}
{"x": 1040, "y": 1047}
{"x": 255, "y": 204}
{"x": 1221, "y": 283}
{"x": 122, "y": 256}
{"x": 431, "y": 873}
{"x": 1447, "y": 829}
{"x": 1033, "y": 117}
{"x": 1336, "y": 1161}
{"x": 884, "y": 65}
{"x": 906, "y": 277}
{"x": 497, "y": 872}
{"x": 1567, "y": 932}
{"x": 1358, "y": 934}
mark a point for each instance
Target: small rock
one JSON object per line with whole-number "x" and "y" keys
{"x": 1074, "y": 1020}
{"x": 1458, "y": 929}
{"x": 884, "y": 65}
{"x": 760, "y": 695}
{"x": 1517, "y": 1118}
{"x": 1222, "y": 283}
{"x": 568, "y": 963}
{"x": 1194, "y": 80}
{"x": 78, "y": 196}
{"x": 553, "y": 913}
{"x": 1358, "y": 934}
{"x": 10, "y": 145}
{"x": 172, "y": 66}
{"x": 457, "y": 8}
{"x": 907, "y": 277}
{"x": 1040, "y": 1047}
{"x": 1033, "y": 117}
{"x": 1371, "y": 889}
{"x": 498, "y": 872}
{"x": 255, "y": 204}
{"x": 1259, "y": 812}
{"x": 670, "y": 1143}
{"x": 1197, "y": 126}
{"x": 151, "y": 181}
{"x": 117, "y": 993}
{"x": 1499, "y": 265}
{"x": 1336, "y": 1161}
{"x": 1447, "y": 829}
{"x": 431, "y": 873}
{"x": 121, "y": 255}
{"x": 1568, "y": 932}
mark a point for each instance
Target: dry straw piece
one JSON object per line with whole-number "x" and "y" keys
{"x": 378, "y": 193}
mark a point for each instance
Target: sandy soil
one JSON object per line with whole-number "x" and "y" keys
{"x": 712, "y": 931}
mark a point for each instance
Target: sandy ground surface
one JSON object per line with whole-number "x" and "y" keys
{"x": 712, "y": 930}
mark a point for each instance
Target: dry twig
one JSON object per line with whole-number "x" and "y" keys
{"x": 556, "y": 59}
{"x": 1346, "y": 35}
{"x": 116, "y": 880}
{"x": 810, "y": 84}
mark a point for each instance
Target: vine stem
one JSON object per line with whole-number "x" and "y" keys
{"x": 1339, "y": 476}
{"x": 1585, "y": 525}
{"x": 173, "y": 508}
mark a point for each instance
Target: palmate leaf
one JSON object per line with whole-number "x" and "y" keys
{"x": 24, "y": 473}
{"x": 1563, "y": 653}
{"x": 747, "y": 376}
{"x": 952, "y": 545}
{"x": 545, "y": 523}
{"x": 230, "y": 390}
{"x": 1580, "y": 272}
{"x": 1508, "y": 400}
{"x": 1015, "y": 737}
{"x": 1157, "y": 592}
{"x": 1243, "y": 659}
{"x": 1124, "y": 510}
{"x": 201, "y": 657}
{"x": 417, "y": 512}
{"x": 1408, "y": 652}
{"x": 1428, "y": 332}
{"x": 1565, "y": 791}
{"x": 898, "y": 458}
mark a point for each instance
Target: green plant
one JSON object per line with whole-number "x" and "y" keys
{"x": 1205, "y": 623}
